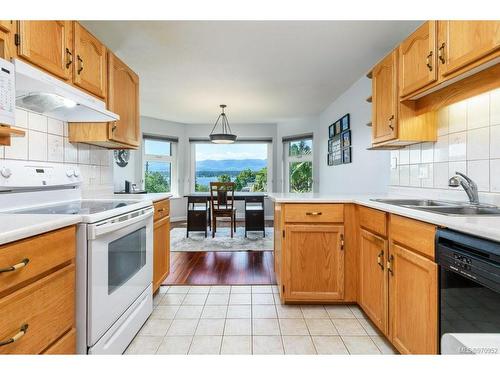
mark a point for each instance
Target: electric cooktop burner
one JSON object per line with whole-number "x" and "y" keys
{"x": 83, "y": 207}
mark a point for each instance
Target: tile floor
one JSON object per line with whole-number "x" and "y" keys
{"x": 248, "y": 319}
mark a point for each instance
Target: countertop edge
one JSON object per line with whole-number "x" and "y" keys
{"x": 46, "y": 223}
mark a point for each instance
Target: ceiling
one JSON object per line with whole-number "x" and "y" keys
{"x": 265, "y": 71}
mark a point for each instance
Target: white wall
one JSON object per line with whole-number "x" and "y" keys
{"x": 369, "y": 170}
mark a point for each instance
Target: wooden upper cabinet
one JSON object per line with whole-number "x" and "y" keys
{"x": 413, "y": 311}
{"x": 373, "y": 294}
{"x": 417, "y": 59}
{"x": 48, "y": 45}
{"x": 90, "y": 65}
{"x": 123, "y": 99}
{"x": 314, "y": 262}
{"x": 6, "y": 25}
{"x": 462, "y": 44}
{"x": 385, "y": 99}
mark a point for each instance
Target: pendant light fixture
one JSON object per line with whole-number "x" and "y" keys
{"x": 225, "y": 136}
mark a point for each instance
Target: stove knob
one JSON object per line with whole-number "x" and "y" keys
{"x": 6, "y": 172}
{"x": 70, "y": 173}
{"x": 76, "y": 173}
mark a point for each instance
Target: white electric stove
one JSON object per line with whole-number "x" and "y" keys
{"x": 114, "y": 250}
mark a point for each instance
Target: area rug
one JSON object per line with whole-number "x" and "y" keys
{"x": 222, "y": 241}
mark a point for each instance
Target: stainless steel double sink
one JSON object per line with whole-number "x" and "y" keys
{"x": 449, "y": 208}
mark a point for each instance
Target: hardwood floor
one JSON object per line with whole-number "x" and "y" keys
{"x": 221, "y": 268}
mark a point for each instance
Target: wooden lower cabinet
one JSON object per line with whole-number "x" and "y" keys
{"x": 37, "y": 296}
{"x": 161, "y": 243}
{"x": 413, "y": 295}
{"x": 314, "y": 262}
{"x": 373, "y": 291}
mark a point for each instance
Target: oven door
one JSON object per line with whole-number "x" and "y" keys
{"x": 120, "y": 267}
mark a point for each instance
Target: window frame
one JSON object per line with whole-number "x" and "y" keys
{"x": 172, "y": 159}
{"x": 193, "y": 143}
{"x": 287, "y": 160}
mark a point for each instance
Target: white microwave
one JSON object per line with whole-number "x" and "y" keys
{"x": 7, "y": 93}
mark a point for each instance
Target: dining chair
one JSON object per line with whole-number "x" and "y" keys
{"x": 254, "y": 215}
{"x": 222, "y": 203}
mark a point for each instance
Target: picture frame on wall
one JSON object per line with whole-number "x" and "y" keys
{"x": 346, "y": 155}
{"x": 346, "y": 139}
{"x": 330, "y": 146}
{"x": 329, "y": 159}
{"x": 345, "y": 123}
{"x": 331, "y": 131}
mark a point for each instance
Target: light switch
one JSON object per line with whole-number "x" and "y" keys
{"x": 423, "y": 171}
{"x": 394, "y": 162}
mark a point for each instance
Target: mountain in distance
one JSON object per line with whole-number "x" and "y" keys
{"x": 230, "y": 165}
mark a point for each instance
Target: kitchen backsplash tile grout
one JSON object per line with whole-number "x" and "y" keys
{"x": 468, "y": 141}
{"x": 46, "y": 140}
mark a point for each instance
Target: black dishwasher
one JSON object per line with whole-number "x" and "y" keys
{"x": 469, "y": 283}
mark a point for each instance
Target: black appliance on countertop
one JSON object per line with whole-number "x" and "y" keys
{"x": 469, "y": 283}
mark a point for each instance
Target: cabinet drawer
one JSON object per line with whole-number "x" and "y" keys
{"x": 162, "y": 209}
{"x": 314, "y": 213}
{"x": 373, "y": 220}
{"x": 414, "y": 234}
{"x": 42, "y": 253}
{"x": 65, "y": 345}
{"x": 47, "y": 307}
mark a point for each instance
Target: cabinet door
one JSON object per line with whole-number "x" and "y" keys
{"x": 373, "y": 296}
{"x": 47, "y": 44}
{"x": 123, "y": 99}
{"x": 314, "y": 256}
{"x": 417, "y": 59}
{"x": 90, "y": 67}
{"x": 384, "y": 99}
{"x": 413, "y": 291}
{"x": 464, "y": 42}
{"x": 161, "y": 251}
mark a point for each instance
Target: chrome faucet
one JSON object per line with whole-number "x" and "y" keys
{"x": 469, "y": 186}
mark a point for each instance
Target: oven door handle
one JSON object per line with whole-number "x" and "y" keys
{"x": 117, "y": 223}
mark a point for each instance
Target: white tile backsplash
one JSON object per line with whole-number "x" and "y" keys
{"x": 47, "y": 140}
{"x": 55, "y": 148}
{"x": 477, "y": 144}
{"x": 37, "y": 122}
{"x": 457, "y": 118}
{"x": 37, "y": 145}
{"x": 495, "y": 107}
{"x": 457, "y": 148}
{"x": 468, "y": 141}
{"x": 55, "y": 126}
{"x": 478, "y": 111}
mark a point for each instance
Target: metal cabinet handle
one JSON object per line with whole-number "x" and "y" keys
{"x": 69, "y": 58}
{"x": 429, "y": 61}
{"x": 80, "y": 64}
{"x": 160, "y": 210}
{"x": 342, "y": 242}
{"x": 389, "y": 265}
{"x": 314, "y": 213}
{"x": 379, "y": 259}
{"x": 441, "y": 53}
{"x": 113, "y": 128}
{"x": 17, "y": 336}
{"x": 15, "y": 267}
{"x": 390, "y": 122}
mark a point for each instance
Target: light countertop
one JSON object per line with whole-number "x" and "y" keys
{"x": 154, "y": 197}
{"x": 15, "y": 227}
{"x": 486, "y": 227}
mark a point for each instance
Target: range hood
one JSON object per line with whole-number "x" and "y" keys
{"x": 39, "y": 92}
